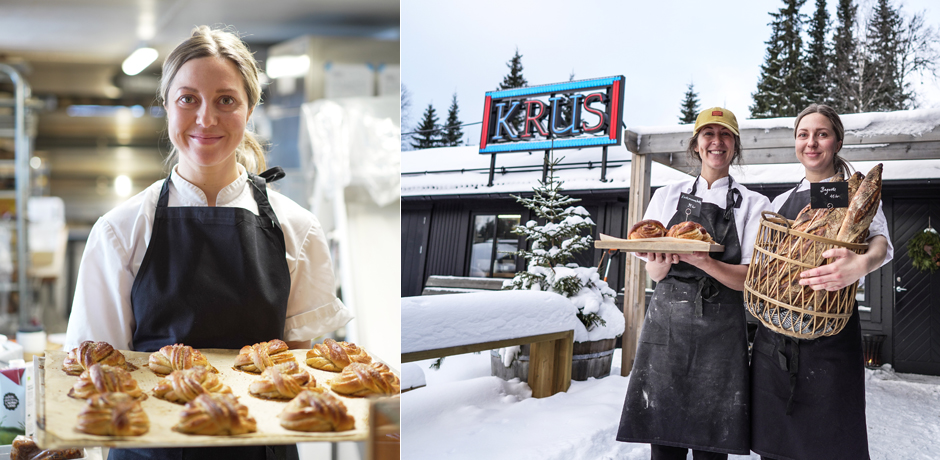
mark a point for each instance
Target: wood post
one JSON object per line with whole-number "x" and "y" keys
{"x": 550, "y": 366}
{"x": 634, "y": 296}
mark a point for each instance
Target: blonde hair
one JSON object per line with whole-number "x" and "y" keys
{"x": 219, "y": 43}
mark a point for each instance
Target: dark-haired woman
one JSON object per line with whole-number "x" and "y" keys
{"x": 689, "y": 384}
{"x": 808, "y": 396}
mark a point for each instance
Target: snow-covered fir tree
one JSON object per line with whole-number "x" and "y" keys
{"x": 452, "y": 135}
{"x": 818, "y": 57}
{"x": 843, "y": 88}
{"x": 427, "y": 135}
{"x": 561, "y": 231}
{"x": 780, "y": 90}
{"x": 882, "y": 86}
{"x": 689, "y": 110}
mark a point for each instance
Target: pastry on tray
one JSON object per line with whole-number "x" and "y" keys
{"x": 113, "y": 414}
{"x": 333, "y": 356}
{"x": 102, "y": 378}
{"x": 315, "y": 411}
{"x": 185, "y": 385}
{"x": 359, "y": 379}
{"x": 88, "y": 353}
{"x": 283, "y": 381}
{"x": 177, "y": 357}
{"x": 260, "y": 356}
{"x": 215, "y": 414}
{"x": 689, "y": 230}
{"x": 649, "y": 228}
{"x": 25, "y": 448}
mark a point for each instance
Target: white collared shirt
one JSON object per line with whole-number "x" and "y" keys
{"x": 879, "y": 225}
{"x": 663, "y": 205}
{"x": 101, "y": 309}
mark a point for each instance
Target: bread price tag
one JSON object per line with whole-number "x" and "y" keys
{"x": 690, "y": 205}
{"x": 829, "y": 195}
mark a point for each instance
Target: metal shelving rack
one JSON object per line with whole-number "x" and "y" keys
{"x": 22, "y": 149}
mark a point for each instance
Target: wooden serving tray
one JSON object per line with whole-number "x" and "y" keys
{"x": 664, "y": 244}
{"x": 57, "y": 413}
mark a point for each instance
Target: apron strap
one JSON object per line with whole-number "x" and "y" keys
{"x": 260, "y": 191}
{"x": 273, "y": 175}
{"x": 733, "y": 199}
{"x": 164, "y": 193}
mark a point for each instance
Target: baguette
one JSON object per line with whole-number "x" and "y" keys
{"x": 863, "y": 207}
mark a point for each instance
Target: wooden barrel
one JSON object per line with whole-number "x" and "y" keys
{"x": 591, "y": 359}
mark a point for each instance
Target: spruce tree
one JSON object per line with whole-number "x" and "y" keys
{"x": 882, "y": 85}
{"x": 452, "y": 135}
{"x": 780, "y": 91}
{"x": 428, "y": 133}
{"x": 816, "y": 70}
{"x": 514, "y": 79}
{"x": 689, "y": 110}
{"x": 844, "y": 78}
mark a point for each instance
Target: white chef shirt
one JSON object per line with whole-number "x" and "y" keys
{"x": 879, "y": 225}
{"x": 101, "y": 310}
{"x": 663, "y": 205}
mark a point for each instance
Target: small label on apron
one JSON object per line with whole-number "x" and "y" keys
{"x": 829, "y": 195}
{"x": 690, "y": 205}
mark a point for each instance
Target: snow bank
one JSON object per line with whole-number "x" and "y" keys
{"x": 439, "y": 321}
{"x": 411, "y": 376}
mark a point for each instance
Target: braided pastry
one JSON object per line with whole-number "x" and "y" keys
{"x": 260, "y": 356}
{"x": 102, "y": 378}
{"x": 359, "y": 379}
{"x": 283, "y": 381}
{"x": 113, "y": 414}
{"x": 334, "y": 356}
{"x": 88, "y": 353}
{"x": 177, "y": 357}
{"x": 215, "y": 414}
{"x": 313, "y": 411}
{"x": 185, "y": 385}
{"x": 649, "y": 228}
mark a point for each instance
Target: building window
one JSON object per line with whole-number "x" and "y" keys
{"x": 493, "y": 246}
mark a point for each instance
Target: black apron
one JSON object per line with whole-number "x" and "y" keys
{"x": 212, "y": 277}
{"x": 808, "y": 396}
{"x": 689, "y": 383}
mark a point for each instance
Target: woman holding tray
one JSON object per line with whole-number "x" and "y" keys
{"x": 208, "y": 257}
{"x": 689, "y": 384}
{"x": 808, "y": 396}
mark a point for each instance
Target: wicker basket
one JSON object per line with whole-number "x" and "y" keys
{"x": 780, "y": 254}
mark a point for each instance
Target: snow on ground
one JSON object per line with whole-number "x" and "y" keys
{"x": 464, "y": 413}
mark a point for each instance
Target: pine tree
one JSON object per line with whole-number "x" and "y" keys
{"x": 780, "y": 92}
{"x": 882, "y": 86}
{"x": 844, "y": 78}
{"x": 689, "y": 110}
{"x": 816, "y": 70}
{"x": 428, "y": 133}
{"x": 514, "y": 79}
{"x": 452, "y": 135}
{"x": 565, "y": 231}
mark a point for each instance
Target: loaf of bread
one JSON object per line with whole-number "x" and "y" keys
{"x": 689, "y": 230}
{"x": 648, "y": 228}
{"x": 862, "y": 207}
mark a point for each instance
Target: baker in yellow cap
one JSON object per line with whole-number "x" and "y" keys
{"x": 689, "y": 386}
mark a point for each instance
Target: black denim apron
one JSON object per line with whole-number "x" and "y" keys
{"x": 808, "y": 396}
{"x": 689, "y": 383}
{"x": 212, "y": 277}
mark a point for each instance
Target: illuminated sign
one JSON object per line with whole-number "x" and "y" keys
{"x": 573, "y": 114}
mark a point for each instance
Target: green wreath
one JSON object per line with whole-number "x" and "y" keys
{"x": 924, "y": 250}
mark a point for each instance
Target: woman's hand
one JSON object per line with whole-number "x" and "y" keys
{"x": 847, "y": 268}
{"x": 658, "y": 264}
{"x": 696, "y": 259}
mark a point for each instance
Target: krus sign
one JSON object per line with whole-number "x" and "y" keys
{"x": 573, "y": 114}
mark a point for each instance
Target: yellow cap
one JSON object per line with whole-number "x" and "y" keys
{"x": 718, "y": 116}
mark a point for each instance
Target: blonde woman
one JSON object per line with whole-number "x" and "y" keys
{"x": 208, "y": 257}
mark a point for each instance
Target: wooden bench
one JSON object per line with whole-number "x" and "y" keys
{"x": 468, "y": 321}
{"x": 438, "y": 284}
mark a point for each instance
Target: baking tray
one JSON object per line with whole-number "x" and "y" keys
{"x": 664, "y": 244}
{"x": 57, "y": 414}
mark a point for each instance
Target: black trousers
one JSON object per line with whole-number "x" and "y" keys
{"x": 658, "y": 452}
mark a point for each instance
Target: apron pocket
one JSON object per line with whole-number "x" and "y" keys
{"x": 654, "y": 333}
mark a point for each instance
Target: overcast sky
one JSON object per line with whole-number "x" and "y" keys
{"x": 660, "y": 46}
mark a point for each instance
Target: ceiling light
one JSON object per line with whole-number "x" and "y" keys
{"x": 287, "y": 66}
{"x": 139, "y": 60}
{"x": 122, "y": 185}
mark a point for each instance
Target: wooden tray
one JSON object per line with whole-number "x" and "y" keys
{"x": 664, "y": 244}
{"x": 58, "y": 413}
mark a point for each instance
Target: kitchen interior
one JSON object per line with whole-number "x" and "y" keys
{"x": 89, "y": 134}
